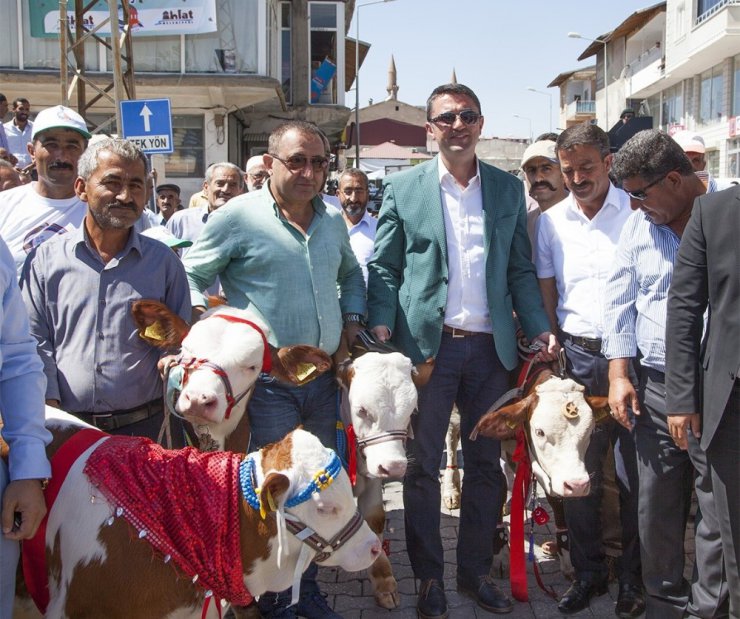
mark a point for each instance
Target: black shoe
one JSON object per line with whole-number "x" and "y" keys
{"x": 486, "y": 594}
{"x": 432, "y": 602}
{"x": 578, "y": 596}
{"x": 631, "y": 601}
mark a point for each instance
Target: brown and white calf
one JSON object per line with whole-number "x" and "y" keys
{"x": 558, "y": 419}
{"x": 101, "y": 562}
{"x": 380, "y": 397}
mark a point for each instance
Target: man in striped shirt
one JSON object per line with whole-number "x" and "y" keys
{"x": 661, "y": 183}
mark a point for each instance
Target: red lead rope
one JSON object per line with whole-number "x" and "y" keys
{"x": 518, "y": 567}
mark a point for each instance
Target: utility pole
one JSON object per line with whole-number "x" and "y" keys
{"x": 74, "y": 77}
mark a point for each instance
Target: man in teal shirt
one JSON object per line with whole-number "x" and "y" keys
{"x": 281, "y": 253}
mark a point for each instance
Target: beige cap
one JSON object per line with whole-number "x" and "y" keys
{"x": 543, "y": 148}
{"x": 59, "y": 117}
{"x": 690, "y": 142}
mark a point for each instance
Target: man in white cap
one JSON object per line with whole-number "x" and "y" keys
{"x": 33, "y": 213}
{"x": 546, "y": 186}
{"x": 256, "y": 173}
{"x": 695, "y": 148}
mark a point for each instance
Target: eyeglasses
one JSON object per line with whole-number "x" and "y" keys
{"x": 262, "y": 175}
{"x": 641, "y": 193}
{"x": 469, "y": 117}
{"x": 296, "y": 163}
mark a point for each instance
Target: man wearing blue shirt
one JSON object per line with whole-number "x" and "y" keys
{"x": 22, "y": 385}
{"x": 282, "y": 253}
{"x": 660, "y": 182}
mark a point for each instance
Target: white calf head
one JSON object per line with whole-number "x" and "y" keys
{"x": 560, "y": 427}
{"x": 221, "y": 350}
{"x": 558, "y": 420}
{"x": 283, "y": 472}
{"x": 382, "y": 397}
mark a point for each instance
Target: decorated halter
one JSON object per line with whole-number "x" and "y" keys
{"x": 263, "y": 502}
{"x": 176, "y": 376}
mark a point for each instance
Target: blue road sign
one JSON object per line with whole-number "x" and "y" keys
{"x": 148, "y": 123}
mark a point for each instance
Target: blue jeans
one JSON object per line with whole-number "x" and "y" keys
{"x": 468, "y": 372}
{"x": 9, "y": 553}
{"x": 583, "y": 515}
{"x": 274, "y": 410}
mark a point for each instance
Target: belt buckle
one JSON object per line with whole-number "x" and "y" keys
{"x": 455, "y": 334}
{"x": 104, "y": 422}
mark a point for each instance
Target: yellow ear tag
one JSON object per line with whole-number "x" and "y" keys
{"x": 304, "y": 370}
{"x": 155, "y": 331}
{"x": 267, "y": 503}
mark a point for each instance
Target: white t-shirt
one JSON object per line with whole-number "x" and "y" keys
{"x": 28, "y": 219}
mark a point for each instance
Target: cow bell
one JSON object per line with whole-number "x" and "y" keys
{"x": 570, "y": 410}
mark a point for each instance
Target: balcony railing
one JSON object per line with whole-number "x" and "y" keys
{"x": 714, "y": 9}
{"x": 579, "y": 108}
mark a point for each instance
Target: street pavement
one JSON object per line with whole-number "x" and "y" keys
{"x": 350, "y": 594}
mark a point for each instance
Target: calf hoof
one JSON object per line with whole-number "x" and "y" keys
{"x": 386, "y": 594}
{"x": 501, "y": 554}
{"x": 566, "y": 566}
{"x": 451, "y": 488}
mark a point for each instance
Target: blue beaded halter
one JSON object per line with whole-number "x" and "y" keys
{"x": 321, "y": 479}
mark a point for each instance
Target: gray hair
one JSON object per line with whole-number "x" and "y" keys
{"x": 584, "y": 134}
{"x": 7, "y": 164}
{"x": 125, "y": 149}
{"x": 355, "y": 172}
{"x": 229, "y": 166}
{"x": 650, "y": 154}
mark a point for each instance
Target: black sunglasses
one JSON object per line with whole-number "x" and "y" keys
{"x": 641, "y": 194}
{"x": 295, "y": 163}
{"x": 469, "y": 117}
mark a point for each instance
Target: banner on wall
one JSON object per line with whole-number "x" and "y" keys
{"x": 321, "y": 78}
{"x": 147, "y": 17}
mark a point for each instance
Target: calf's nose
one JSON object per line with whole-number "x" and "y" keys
{"x": 394, "y": 468}
{"x": 576, "y": 487}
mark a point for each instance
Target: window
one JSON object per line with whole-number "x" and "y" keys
{"x": 711, "y": 100}
{"x": 286, "y": 51}
{"x": 736, "y": 86}
{"x": 188, "y": 159}
{"x": 323, "y": 50}
{"x": 672, "y": 107}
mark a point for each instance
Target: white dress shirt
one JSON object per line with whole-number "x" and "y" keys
{"x": 362, "y": 240}
{"x": 579, "y": 253}
{"x": 467, "y": 301}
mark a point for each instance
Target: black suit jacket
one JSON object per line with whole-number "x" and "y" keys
{"x": 700, "y": 376}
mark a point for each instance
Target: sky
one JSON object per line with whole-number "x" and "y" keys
{"x": 497, "y": 48}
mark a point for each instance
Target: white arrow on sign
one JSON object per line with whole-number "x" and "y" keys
{"x": 146, "y": 113}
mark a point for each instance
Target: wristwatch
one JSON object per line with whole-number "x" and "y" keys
{"x": 352, "y": 317}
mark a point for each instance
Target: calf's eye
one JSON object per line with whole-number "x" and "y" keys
{"x": 539, "y": 432}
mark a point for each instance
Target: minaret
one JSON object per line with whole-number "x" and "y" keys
{"x": 453, "y": 79}
{"x": 392, "y": 88}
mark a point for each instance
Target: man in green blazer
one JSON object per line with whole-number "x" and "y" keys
{"x": 452, "y": 264}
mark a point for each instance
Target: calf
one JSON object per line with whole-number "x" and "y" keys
{"x": 558, "y": 420}
{"x": 380, "y": 395}
{"x": 221, "y": 356}
{"x": 107, "y": 559}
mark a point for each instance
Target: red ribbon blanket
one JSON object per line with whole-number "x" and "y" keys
{"x": 186, "y": 501}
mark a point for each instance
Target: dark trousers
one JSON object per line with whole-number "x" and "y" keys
{"x": 467, "y": 371}
{"x": 666, "y": 476}
{"x": 723, "y": 458}
{"x": 583, "y": 515}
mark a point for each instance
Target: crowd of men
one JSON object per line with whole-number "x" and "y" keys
{"x": 628, "y": 261}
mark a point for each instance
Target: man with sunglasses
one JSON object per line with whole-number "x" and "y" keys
{"x": 282, "y": 253}
{"x": 451, "y": 265}
{"x": 661, "y": 183}
{"x": 576, "y": 242}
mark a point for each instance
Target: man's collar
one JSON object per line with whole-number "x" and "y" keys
{"x": 80, "y": 235}
{"x": 443, "y": 172}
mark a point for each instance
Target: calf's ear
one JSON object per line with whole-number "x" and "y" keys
{"x": 271, "y": 491}
{"x": 300, "y": 364}
{"x": 345, "y": 372}
{"x": 422, "y": 372}
{"x": 600, "y": 406}
{"x": 158, "y": 325}
{"x": 504, "y": 422}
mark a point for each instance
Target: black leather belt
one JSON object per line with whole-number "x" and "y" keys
{"x": 591, "y": 344}
{"x": 118, "y": 419}
{"x": 455, "y": 332}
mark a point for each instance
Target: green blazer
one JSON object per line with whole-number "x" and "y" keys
{"x": 407, "y": 276}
